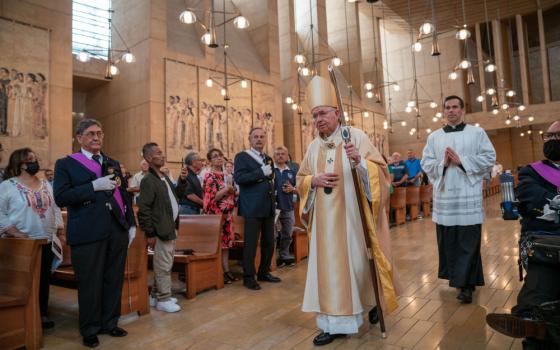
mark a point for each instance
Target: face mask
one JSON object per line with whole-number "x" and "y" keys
{"x": 32, "y": 167}
{"x": 551, "y": 150}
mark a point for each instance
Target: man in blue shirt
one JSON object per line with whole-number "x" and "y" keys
{"x": 400, "y": 172}
{"x": 414, "y": 169}
{"x": 284, "y": 187}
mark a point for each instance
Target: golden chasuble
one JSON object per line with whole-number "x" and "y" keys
{"x": 339, "y": 280}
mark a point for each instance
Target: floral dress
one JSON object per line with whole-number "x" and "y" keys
{"x": 214, "y": 182}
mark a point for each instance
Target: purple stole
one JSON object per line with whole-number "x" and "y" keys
{"x": 95, "y": 168}
{"x": 548, "y": 173}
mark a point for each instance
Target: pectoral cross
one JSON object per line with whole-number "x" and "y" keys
{"x": 330, "y": 160}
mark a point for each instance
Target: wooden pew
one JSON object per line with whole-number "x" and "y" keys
{"x": 398, "y": 204}
{"x": 426, "y": 199}
{"x": 299, "y": 236}
{"x": 20, "y": 317}
{"x": 203, "y": 269}
{"x": 134, "y": 296}
{"x": 239, "y": 229}
{"x": 412, "y": 201}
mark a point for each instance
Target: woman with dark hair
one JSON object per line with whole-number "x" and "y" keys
{"x": 28, "y": 210}
{"x": 219, "y": 198}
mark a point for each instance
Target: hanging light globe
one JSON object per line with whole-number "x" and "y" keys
{"x": 411, "y": 104}
{"x": 495, "y": 111}
{"x": 453, "y": 75}
{"x": 299, "y": 58}
{"x": 521, "y": 108}
{"x": 428, "y": 131}
{"x": 433, "y": 104}
{"x": 510, "y": 93}
{"x": 505, "y": 106}
{"x": 187, "y": 17}
{"x": 480, "y": 98}
{"x": 366, "y": 114}
{"x": 114, "y": 70}
{"x": 241, "y": 22}
{"x": 417, "y": 47}
{"x": 289, "y": 100}
{"x": 408, "y": 109}
{"x": 294, "y": 106}
{"x": 83, "y": 56}
{"x": 244, "y": 83}
{"x": 336, "y": 61}
{"x": 369, "y": 94}
{"x": 463, "y": 34}
{"x": 403, "y": 123}
{"x": 223, "y": 92}
{"x": 128, "y": 57}
{"x": 209, "y": 82}
{"x": 305, "y": 71}
{"x": 438, "y": 114}
{"x": 396, "y": 87}
{"x": 491, "y": 91}
{"x": 531, "y": 118}
{"x": 435, "y": 119}
{"x": 465, "y": 64}
{"x": 529, "y": 132}
{"x": 477, "y": 125}
{"x": 385, "y": 125}
{"x": 426, "y": 28}
{"x": 206, "y": 38}
{"x": 490, "y": 67}
{"x": 508, "y": 122}
{"x": 368, "y": 86}
{"x": 516, "y": 117}
{"x": 522, "y": 134}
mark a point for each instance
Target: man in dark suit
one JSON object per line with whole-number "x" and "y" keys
{"x": 99, "y": 229}
{"x": 254, "y": 175}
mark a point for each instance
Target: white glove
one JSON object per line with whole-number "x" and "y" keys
{"x": 555, "y": 202}
{"x": 104, "y": 183}
{"x": 131, "y": 235}
{"x": 266, "y": 169}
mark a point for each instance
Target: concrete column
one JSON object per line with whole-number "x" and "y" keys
{"x": 480, "y": 59}
{"x": 523, "y": 61}
{"x": 544, "y": 56}
{"x": 499, "y": 54}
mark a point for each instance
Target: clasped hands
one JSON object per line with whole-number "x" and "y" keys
{"x": 451, "y": 158}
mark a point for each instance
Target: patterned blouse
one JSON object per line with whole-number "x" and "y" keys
{"x": 32, "y": 212}
{"x": 213, "y": 182}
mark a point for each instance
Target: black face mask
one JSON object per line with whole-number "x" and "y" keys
{"x": 32, "y": 167}
{"x": 551, "y": 150}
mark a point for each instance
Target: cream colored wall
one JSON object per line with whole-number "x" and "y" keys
{"x": 55, "y": 15}
{"x": 132, "y": 106}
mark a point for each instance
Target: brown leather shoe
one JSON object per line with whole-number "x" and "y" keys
{"x": 516, "y": 326}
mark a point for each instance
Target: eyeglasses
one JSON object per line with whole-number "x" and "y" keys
{"x": 551, "y": 136}
{"x": 216, "y": 156}
{"x": 91, "y": 134}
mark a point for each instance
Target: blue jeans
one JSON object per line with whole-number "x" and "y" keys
{"x": 186, "y": 209}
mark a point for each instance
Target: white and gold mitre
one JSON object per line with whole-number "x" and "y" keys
{"x": 320, "y": 92}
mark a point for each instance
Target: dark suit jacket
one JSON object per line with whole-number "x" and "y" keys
{"x": 256, "y": 191}
{"x": 192, "y": 186}
{"x": 532, "y": 193}
{"x": 89, "y": 214}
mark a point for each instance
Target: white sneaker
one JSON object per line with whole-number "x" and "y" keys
{"x": 153, "y": 301}
{"x": 167, "y": 306}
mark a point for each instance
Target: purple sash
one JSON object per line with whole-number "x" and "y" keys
{"x": 95, "y": 168}
{"x": 548, "y": 173}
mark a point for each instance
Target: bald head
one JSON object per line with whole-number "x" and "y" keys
{"x": 554, "y": 127}
{"x": 551, "y": 146}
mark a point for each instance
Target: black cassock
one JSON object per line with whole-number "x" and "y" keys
{"x": 459, "y": 255}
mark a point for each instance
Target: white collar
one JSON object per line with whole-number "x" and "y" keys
{"x": 260, "y": 154}
{"x": 286, "y": 167}
{"x": 89, "y": 155}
